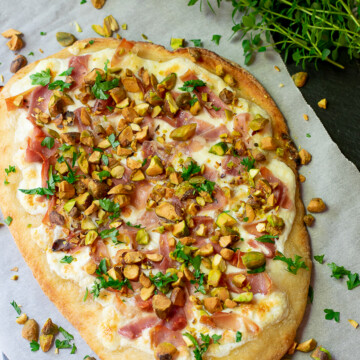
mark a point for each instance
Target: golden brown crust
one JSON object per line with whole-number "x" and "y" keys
{"x": 273, "y": 342}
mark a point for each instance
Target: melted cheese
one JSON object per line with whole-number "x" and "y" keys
{"x": 266, "y": 310}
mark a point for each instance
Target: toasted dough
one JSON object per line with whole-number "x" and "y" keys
{"x": 271, "y": 343}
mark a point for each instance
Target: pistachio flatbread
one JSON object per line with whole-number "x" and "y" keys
{"x": 163, "y": 198}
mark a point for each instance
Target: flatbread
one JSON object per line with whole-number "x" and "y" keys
{"x": 271, "y": 343}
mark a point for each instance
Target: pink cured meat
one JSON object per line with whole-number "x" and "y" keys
{"x": 80, "y": 65}
{"x": 135, "y": 329}
{"x": 39, "y": 99}
{"x": 160, "y": 334}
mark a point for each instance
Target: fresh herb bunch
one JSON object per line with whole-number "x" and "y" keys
{"x": 306, "y": 30}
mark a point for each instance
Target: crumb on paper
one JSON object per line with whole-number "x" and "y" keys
{"x": 41, "y": 50}
{"x": 276, "y": 68}
{"x": 306, "y": 117}
{"x": 281, "y": 85}
{"x": 322, "y": 104}
{"x": 1, "y": 78}
{"x": 302, "y": 178}
{"x": 16, "y": 269}
{"x": 14, "y": 277}
{"x": 124, "y": 26}
{"x": 354, "y": 323}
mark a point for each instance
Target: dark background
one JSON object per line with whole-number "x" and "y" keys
{"x": 341, "y": 88}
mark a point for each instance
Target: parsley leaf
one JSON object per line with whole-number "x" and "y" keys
{"x": 65, "y": 344}
{"x": 100, "y": 87}
{"x": 139, "y": 226}
{"x": 59, "y": 84}
{"x": 163, "y": 281}
{"x": 49, "y": 142}
{"x": 248, "y": 163}
{"x": 41, "y": 78}
{"x": 101, "y": 283}
{"x": 353, "y": 281}
{"x": 109, "y": 205}
{"x": 216, "y": 108}
{"x": 338, "y": 271}
{"x": 30, "y": 53}
{"x": 105, "y": 159}
{"x": 67, "y": 259}
{"x": 190, "y": 170}
{"x": 238, "y": 336}
{"x": 207, "y": 186}
{"x": 193, "y": 100}
{"x": 191, "y": 85}
{"x": 258, "y": 270}
{"x": 37, "y": 191}
{"x": 86, "y": 294}
{"x": 91, "y": 42}
{"x": 112, "y": 234}
{"x": 73, "y": 349}
{"x": 113, "y": 143}
{"x": 16, "y": 307}
{"x": 67, "y": 72}
{"x": 10, "y": 169}
{"x": 144, "y": 162}
{"x": 103, "y": 174}
{"x": 267, "y": 238}
{"x": 42, "y": 33}
{"x": 82, "y": 2}
{"x": 66, "y": 335}
{"x": 196, "y": 42}
{"x": 216, "y": 39}
{"x": 216, "y": 338}
{"x": 332, "y": 315}
{"x": 65, "y": 147}
{"x": 8, "y": 220}
{"x": 199, "y": 280}
{"x": 319, "y": 258}
{"x": 292, "y": 265}
{"x": 200, "y": 349}
{"x": 308, "y": 135}
{"x": 34, "y": 345}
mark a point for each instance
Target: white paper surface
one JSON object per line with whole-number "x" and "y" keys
{"x": 329, "y": 176}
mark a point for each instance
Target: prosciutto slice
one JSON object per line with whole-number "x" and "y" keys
{"x": 140, "y": 194}
{"x": 160, "y": 334}
{"x": 280, "y": 192}
{"x": 177, "y": 319}
{"x": 39, "y": 99}
{"x": 80, "y": 65}
{"x": 135, "y": 329}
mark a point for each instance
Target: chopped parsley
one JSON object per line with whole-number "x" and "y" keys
{"x": 197, "y": 42}
{"x": 139, "y": 226}
{"x": 65, "y": 344}
{"x": 101, "y": 86}
{"x": 163, "y": 281}
{"x": 10, "y": 169}
{"x": 238, "y": 336}
{"x": 34, "y": 345}
{"x": 73, "y": 349}
{"x": 216, "y": 108}
{"x": 49, "y": 142}
{"x": 67, "y": 72}
{"x": 193, "y": 100}
{"x": 59, "y": 84}
{"x": 292, "y": 265}
{"x": 42, "y": 33}
{"x": 190, "y": 170}
{"x": 65, "y": 147}
{"x": 16, "y": 307}
{"x": 144, "y": 162}
{"x": 113, "y": 142}
{"x": 338, "y": 271}
{"x": 84, "y": 2}
{"x": 112, "y": 234}
{"x": 353, "y": 281}
{"x": 101, "y": 283}
{"x": 267, "y": 238}
{"x": 216, "y": 39}
{"x": 67, "y": 259}
{"x": 200, "y": 349}
{"x": 91, "y": 42}
{"x": 105, "y": 159}
{"x": 30, "y": 53}
{"x": 8, "y": 220}
{"x": 308, "y": 135}
{"x": 332, "y": 315}
{"x": 199, "y": 280}
{"x": 248, "y": 163}
{"x": 319, "y": 258}
{"x": 103, "y": 174}
{"x": 109, "y": 205}
{"x": 191, "y": 85}
{"x": 207, "y": 186}
{"x": 37, "y": 191}
{"x": 41, "y": 78}
{"x": 258, "y": 270}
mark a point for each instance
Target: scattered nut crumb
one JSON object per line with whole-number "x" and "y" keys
{"x": 98, "y": 4}
{"x": 302, "y": 178}
{"x": 306, "y": 117}
{"x": 300, "y": 79}
{"x": 354, "y": 323}
{"x": 18, "y": 63}
{"x": 41, "y": 50}
{"x": 10, "y": 33}
{"x": 322, "y": 103}
{"x": 15, "y": 43}
{"x": 307, "y": 346}
{"x": 1, "y": 78}
{"x": 16, "y": 269}
{"x": 77, "y": 27}
{"x": 118, "y": 36}
{"x": 124, "y": 26}
{"x": 22, "y": 319}
{"x": 316, "y": 205}
{"x": 14, "y": 277}
{"x": 281, "y": 85}
{"x": 56, "y": 350}
{"x": 276, "y": 68}
{"x": 305, "y": 157}
{"x": 309, "y": 220}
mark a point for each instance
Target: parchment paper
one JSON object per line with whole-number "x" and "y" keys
{"x": 329, "y": 176}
